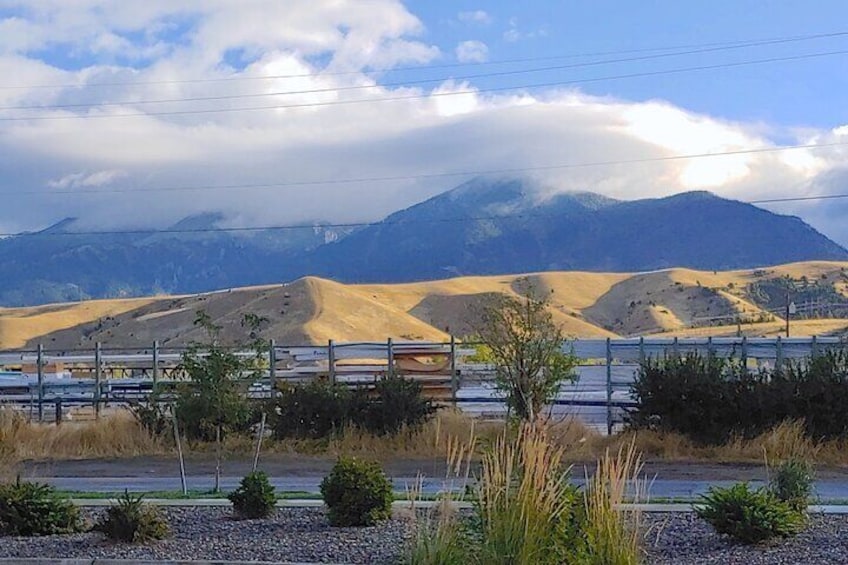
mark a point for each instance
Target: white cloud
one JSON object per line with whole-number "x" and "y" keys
{"x": 472, "y": 51}
{"x": 75, "y": 180}
{"x": 513, "y": 33}
{"x": 453, "y": 127}
{"x": 479, "y": 17}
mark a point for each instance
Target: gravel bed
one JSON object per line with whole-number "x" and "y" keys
{"x": 683, "y": 538}
{"x": 292, "y": 534}
{"x": 303, "y": 534}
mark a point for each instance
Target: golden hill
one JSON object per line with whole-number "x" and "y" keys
{"x": 311, "y": 310}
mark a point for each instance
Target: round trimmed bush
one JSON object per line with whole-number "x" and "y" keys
{"x": 254, "y": 498}
{"x": 357, "y": 493}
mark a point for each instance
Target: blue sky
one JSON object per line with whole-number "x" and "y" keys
{"x": 140, "y": 112}
{"x": 811, "y": 92}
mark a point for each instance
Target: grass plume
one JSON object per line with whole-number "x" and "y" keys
{"x": 613, "y": 531}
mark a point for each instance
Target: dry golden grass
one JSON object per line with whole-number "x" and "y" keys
{"x": 115, "y": 435}
{"x": 785, "y": 441}
{"x": 431, "y": 442}
{"x": 119, "y": 435}
{"x": 346, "y": 313}
{"x": 21, "y": 325}
{"x": 315, "y": 310}
{"x": 798, "y": 328}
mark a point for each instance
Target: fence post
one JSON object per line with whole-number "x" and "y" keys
{"x": 745, "y": 352}
{"x": 709, "y": 348}
{"x": 58, "y": 419}
{"x": 675, "y": 347}
{"x": 814, "y": 347}
{"x": 331, "y": 359}
{"x": 39, "y": 366}
{"x": 98, "y": 376}
{"x": 390, "y": 356}
{"x": 778, "y": 363}
{"x": 641, "y": 350}
{"x": 272, "y": 366}
{"x": 454, "y": 379}
{"x": 155, "y": 362}
{"x": 609, "y": 386}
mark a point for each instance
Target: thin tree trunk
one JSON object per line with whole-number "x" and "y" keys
{"x": 217, "y": 488}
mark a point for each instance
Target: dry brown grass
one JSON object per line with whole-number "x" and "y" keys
{"x": 430, "y": 442}
{"x": 114, "y": 435}
{"x": 119, "y": 435}
{"x": 783, "y": 442}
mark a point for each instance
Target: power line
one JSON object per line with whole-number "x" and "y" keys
{"x": 429, "y": 95}
{"x": 323, "y": 225}
{"x": 414, "y": 82}
{"x": 351, "y": 225}
{"x": 728, "y": 44}
{"x": 479, "y": 172}
{"x": 799, "y": 198}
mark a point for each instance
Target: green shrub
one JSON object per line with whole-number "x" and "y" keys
{"x": 313, "y": 410}
{"x": 131, "y": 520}
{"x": 816, "y": 390}
{"x": 749, "y": 516}
{"x": 152, "y": 415}
{"x": 792, "y": 483}
{"x": 397, "y": 403}
{"x": 356, "y": 493}
{"x": 254, "y": 498}
{"x": 34, "y": 509}
{"x": 712, "y": 399}
{"x": 320, "y": 409}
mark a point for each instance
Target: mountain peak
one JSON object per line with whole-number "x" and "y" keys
{"x": 62, "y": 226}
{"x": 202, "y": 221}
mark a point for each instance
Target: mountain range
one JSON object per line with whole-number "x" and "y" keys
{"x": 482, "y": 227}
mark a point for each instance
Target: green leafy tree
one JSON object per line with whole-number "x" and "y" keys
{"x": 214, "y": 400}
{"x": 526, "y": 347}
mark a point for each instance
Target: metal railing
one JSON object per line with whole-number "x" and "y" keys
{"x": 98, "y": 377}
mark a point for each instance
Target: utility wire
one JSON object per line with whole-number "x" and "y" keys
{"x": 350, "y": 225}
{"x": 727, "y": 44}
{"x": 402, "y": 83}
{"x": 429, "y": 95}
{"x": 474, "y": 173}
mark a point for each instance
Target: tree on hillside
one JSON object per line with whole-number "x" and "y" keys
{"x": 526, "y": 346}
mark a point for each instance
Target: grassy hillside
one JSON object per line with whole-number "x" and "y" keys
{"x": 680, "y": 302}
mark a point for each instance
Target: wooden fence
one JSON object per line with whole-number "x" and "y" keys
{"x": 37, "y": 379}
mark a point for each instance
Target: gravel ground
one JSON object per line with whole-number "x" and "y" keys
{"x": 292, "y": 534}
{"x": 303, "y": 534}
{"x": 682, "y": 538}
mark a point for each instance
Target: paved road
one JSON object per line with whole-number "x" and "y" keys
{"x": 826, "y": 490}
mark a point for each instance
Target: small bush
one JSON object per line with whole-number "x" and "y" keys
{"x": 131, "y": 520}
{"x": 152, "y": 416}
{"x": 314, "y": 410}
{"x": 749, "y": 516}
{"x": 34, "y": 509}
{"x": 398, "y": 403}
{"x": 356, "y": 493}
{"x": 254, "y": 498}
{"x": 793, "y": 483}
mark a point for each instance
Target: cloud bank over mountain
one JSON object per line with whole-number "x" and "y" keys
{"x": 113, "y": 146}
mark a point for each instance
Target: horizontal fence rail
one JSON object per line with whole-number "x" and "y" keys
{"x": 40, "y": 379}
